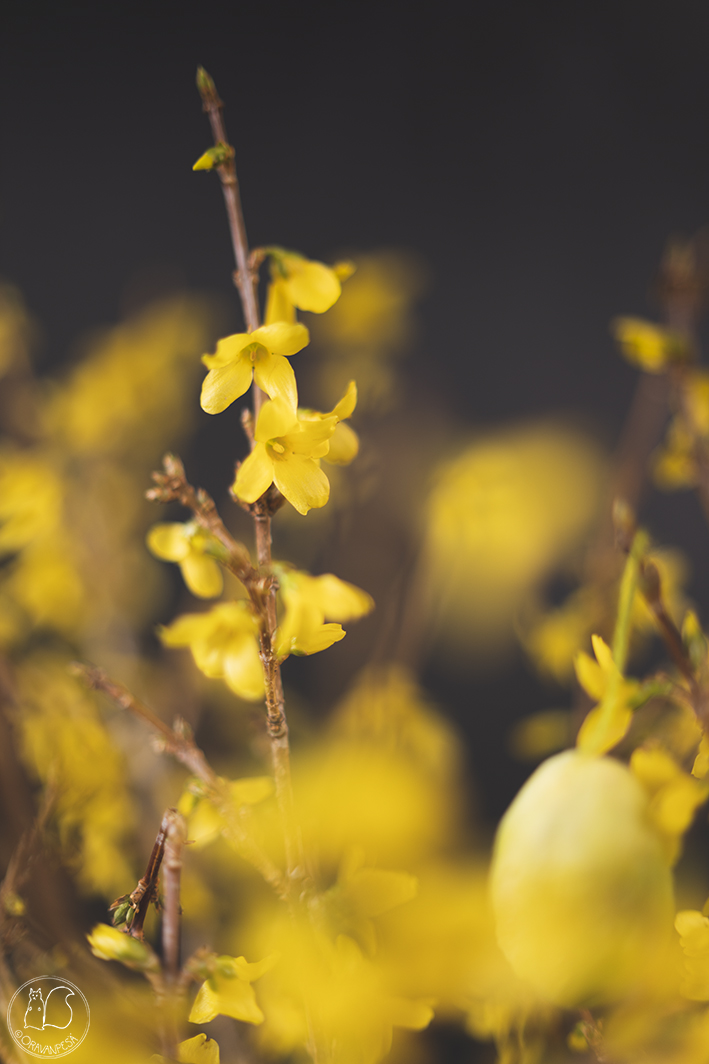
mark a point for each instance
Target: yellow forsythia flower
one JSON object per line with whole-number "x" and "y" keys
{"x": 361, "y": 894}
{"x": 308, "y": 601}
{"x": 693, "y": 929}
{"x": 300, "y": 282}
{"x": 344, "y": 442}
{"x": 675, "y": 796}
{"x": 286, "y": 452}
{"x": 229, "y": 992}
{"x": 224, "y": 645}
{"x": 260, "y": 356}
{"x": 110, "y": 944}
{"x": 581, "y": 884}
{"x": 606, "y": 724}
{"x": 649, "y": 346}
{"x": 206, "y": 822}
{"x": 352, "y": 1002}
{"x": 186, "y": 545}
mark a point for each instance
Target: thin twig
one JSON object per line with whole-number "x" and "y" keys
{"x": 176, "y": 836}
{"x": 173, "y": 486}
{"x": 131, "y": 909}
{"x": 179, "y": 742}
{"x": 244, "y": 279}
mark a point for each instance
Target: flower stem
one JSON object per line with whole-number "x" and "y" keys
{"x": 245, "y": 281}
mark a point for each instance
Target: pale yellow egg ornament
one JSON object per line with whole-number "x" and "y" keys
{"x": 581, "y": 887}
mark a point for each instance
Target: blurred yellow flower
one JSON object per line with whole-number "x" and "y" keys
{"x": 224, "y": 645}
{"x": 676, "y": 462}
{"x": 260, "y": 356}
{"x": 675, "y": 796}
{"x": 649, "y": 346}
{"x": 110, "y": 944}
{"x": 286, "y": 451}
{"x": 31, "y": 499}
{"x": 133, "y": 392}
{"x": 186, "y": 544}
{"x": 693, "y": 929}
{"x": 359, "y": 895}
{"x": 606, "y": 724}
{"x": 65, "y": 745}
{"x": 206, "y": 822}
{"x": 370, "y": 326}
{"x": 228, "y": 991}
{"x": 509, "y": 509}
{"x": 554, "y": 638}
{"x": 308, "y": 600}
{"x": 352, "y": 1005}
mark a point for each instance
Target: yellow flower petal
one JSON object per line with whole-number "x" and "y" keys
{"x": 344, "y": 445}
{"x": 198, "y": 1050}
{"x": 243, "y": 671}
{"x": 184, "y": 629}
{"x": 228, "y": 350}
{"x": 312, "y": 641}
{"x": 276, "y": 377}
{"x": 346, "y": 405}
{"x": 311, "y": 285}
{"x": 282, "y": 338}
{"x": 302, "y": 482}
{"x": 700, "y": 769}
{"x": 233, "y": 997}
{"x": 604, "y": 657}
{"x": 278, "y": 305}
{"x": 308, "y": 285}
{"x": 254, "y": 476}
{"x": 339, "y": 600}
{"x": 649, "y": 346}
{"x": 276, "y": 419}
{"x": 313, "y": 438}
{"x": 590, "y": 675}
{"x": 110, "y": 944}
{"x": 599, "y": 732}
{"x": 224, "y": 384}
{"x": 168, "y": 541}
{"x": 202, "y": 575}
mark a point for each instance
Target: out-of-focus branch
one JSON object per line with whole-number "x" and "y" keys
{"x": 179, "y": 742}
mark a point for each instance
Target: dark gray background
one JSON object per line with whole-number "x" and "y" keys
{"x": 536, "y": 155}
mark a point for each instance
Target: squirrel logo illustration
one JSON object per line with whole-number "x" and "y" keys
{"x": 36, "y": 1012}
